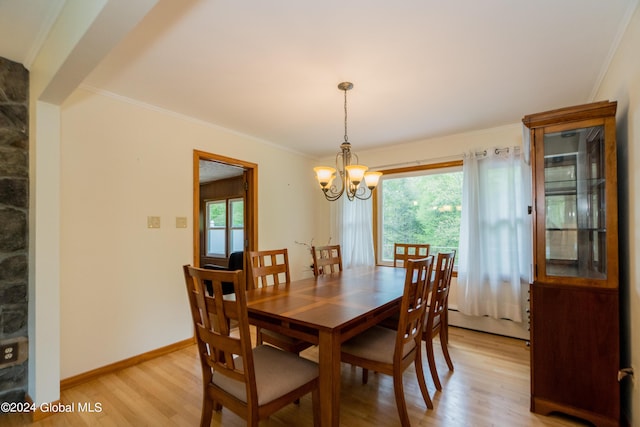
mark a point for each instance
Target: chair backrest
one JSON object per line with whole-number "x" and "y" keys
{"x": 326, "y": 259}
{"x": 269, "y": 267}
{"x": 414, "y": 303}
{"x": 406, "y": 251}
{"x": 236, "y": 261}
{"x": 212, "y": 316}
{"x": 441, "y": 284}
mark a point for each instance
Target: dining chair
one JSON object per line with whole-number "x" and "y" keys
{"x": 235, "y": 262}
{"x": 436, "y": 320}
{"x": 326, "y": 259}
{"x": 270, "y": 268}
{"x": 391, "y": 352}
{"x": 253, "y": 383}
{"x": 402, "y": 252}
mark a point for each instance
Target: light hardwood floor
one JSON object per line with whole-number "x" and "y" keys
{"x": 490, "y": 387}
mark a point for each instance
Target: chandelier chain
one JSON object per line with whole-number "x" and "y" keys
{"x": 346, "y": 138}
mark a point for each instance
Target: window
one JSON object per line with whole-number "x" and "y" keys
{"x": 236, "y": 222}
{"x": 224, "y": 227}
{"x": 420, "y": 206}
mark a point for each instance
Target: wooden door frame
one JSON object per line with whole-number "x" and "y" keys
{"x": 251, "y": 201}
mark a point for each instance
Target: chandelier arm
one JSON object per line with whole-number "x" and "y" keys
{"x": 341, "y": 171}
{"x": 351, "y": 192}
{"x": 333, "y": 197}
{"x": 364, "y": 191}
{"x": 346, "y": 161}
{"x": 333, "y": 192}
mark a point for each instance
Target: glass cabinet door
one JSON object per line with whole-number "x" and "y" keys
{"x": 574, "y": 200}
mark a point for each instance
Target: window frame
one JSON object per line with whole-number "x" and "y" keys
{"x": 425, "y": 169}
{"x": 228, "y": 227}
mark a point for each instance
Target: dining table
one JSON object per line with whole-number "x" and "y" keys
{"x": 326, "y": 311}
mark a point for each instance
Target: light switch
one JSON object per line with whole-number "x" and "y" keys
{"x": 153, "y": 222}
{"x": 181, "y": 222}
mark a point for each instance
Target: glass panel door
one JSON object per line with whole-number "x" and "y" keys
{"x": 575, "y": 231}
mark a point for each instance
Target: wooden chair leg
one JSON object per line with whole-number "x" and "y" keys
{"x": 398, "y": 390}
{"x": 444, "y": 336}
{"x": 422, "y": 382}
{"x": 208, "y": 406}
{"x": 252, "y": 419}
{"x": 258, "y": 336}
{"x": 432, "y": 363}
{"x": 365, "y": 375}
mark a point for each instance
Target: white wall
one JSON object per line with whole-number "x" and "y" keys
{"x": 70, "y": 51}
{"x": 122, "y": 291}
{"x": 622, "y": 84}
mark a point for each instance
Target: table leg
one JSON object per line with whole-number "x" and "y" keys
{"x": 329, "y": 365}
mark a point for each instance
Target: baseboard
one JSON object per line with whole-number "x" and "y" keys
{"x": 487, "y": 324}
{"x": 38, "y": 414}
{"x": 95, "y": 373}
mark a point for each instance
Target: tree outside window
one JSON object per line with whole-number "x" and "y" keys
{"x": 422, "y": 206}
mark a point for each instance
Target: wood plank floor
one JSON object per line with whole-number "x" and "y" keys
{"x": 490, "y": 387}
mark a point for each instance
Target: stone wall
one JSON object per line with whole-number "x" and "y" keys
{"x": 14, "y": 206}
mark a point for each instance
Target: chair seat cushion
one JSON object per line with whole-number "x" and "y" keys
{"x": 377, "y": 343}
{"x": 277, "y": 373}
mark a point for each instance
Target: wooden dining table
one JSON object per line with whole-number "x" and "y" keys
{"x": 328, "y": 310}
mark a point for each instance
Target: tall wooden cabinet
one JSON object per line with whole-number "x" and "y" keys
{"x": 575, "y": 347}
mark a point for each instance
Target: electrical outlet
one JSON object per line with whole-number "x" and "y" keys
{"x": 13, "y": 351}
{"x": 8, "y": 353}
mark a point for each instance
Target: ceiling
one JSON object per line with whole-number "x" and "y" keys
{"x": 213, "y": 171}
{"x": 420, "y": 68}
{"x": 24, "y": 25}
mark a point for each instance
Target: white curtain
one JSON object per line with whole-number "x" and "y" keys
{"x": 495, "y": 234}
{"x": 353, "y": 228}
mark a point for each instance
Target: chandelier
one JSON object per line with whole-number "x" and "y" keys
{"x": 355, "y": 180}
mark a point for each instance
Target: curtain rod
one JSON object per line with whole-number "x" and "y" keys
{"x": 497, "y": 151}
{"x": 419, "y": 162}
{"x": 441, "y": 159}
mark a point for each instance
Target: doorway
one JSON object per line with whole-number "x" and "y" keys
{"x": 231, "y": 179}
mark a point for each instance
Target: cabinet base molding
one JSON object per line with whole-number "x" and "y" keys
{"x": 546, "y": 407}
